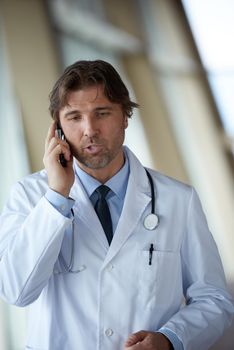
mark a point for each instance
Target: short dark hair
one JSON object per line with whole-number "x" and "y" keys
{"x": 82, "y": 74}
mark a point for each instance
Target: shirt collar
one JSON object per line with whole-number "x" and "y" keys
{"x": 118, "y": 183}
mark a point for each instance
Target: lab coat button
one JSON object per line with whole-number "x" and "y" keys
{"x": 110, "y": 267}
{"x": 109, "y": 332}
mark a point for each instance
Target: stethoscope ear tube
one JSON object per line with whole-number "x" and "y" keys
{"x": 152, "y": 191}
{"x": 151, "y": 221}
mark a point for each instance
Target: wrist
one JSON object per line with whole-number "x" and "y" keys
{"x": 62, "y": 192}
{"x": 172, "y": 337}
{"x": 170, "y": 346}
{"x": 59, "y": 202}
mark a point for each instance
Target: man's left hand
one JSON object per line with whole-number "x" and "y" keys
{"x": 144, "y": 340}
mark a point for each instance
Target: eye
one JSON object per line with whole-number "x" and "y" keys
{"x": 103, "y": 114}
{"x": 74, "y": 118}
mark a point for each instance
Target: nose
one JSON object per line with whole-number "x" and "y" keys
{"x": 90, "y": 127}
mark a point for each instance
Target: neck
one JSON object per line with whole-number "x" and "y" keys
{"x": 106, "y": 173}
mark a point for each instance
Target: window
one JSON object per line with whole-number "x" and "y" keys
{"x": 212, "y": 25}
{"x": 14, "y": 165}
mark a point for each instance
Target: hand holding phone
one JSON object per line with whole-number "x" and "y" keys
{"x": 58, "y": 161}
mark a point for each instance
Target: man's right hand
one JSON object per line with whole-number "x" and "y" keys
{"x": 60, "y": 179}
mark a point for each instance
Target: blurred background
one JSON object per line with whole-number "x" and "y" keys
{"x": 177, "y": 59}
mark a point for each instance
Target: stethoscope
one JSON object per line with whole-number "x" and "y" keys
{"x": 150, "y": 223}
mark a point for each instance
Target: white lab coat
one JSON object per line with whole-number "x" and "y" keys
{"x": 116, "y": 291}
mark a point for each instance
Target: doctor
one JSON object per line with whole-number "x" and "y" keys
{"x": 94, "y": 273}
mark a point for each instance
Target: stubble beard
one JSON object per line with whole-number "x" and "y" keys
{"x": 98, "y": 161}
{"x": 94, "y": 161}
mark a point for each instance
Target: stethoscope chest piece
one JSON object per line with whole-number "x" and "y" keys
{"x": 151, "y": 221}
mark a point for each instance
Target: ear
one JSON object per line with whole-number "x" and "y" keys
{"x": 125, "y": 122}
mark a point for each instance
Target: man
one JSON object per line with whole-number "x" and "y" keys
{"x": 94, "y": 274}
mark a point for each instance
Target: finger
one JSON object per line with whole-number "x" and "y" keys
{"x": 65, "y": 149}
{"x": 52, "y": 144}
{"x": 135, "y": 338}
{"x": 137, "y": 346}
{"x": 57, "y": 149}
{"x": 54, "y": 141}
{"x": 50, "y": 134}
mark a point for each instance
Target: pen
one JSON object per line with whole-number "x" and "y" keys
{"x": 151, "y": 249}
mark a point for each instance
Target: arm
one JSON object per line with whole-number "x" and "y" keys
{"x": 32, "y": 230}
{"x": 209, "y": 308}
{"x": 30, "y": 242}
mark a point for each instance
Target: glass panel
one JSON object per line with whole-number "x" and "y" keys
{"x": 212, "y": 23}
{"x": 14, "y": 165}
{"x": 14, "y": 160}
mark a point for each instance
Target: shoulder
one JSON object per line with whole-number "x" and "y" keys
{"x": 164, "y": 185}
{"x": 26, "y": 193}
{"x": 32, "y": 186}
{"x": 36, "y": 181}
{"x": 168, "y": 186}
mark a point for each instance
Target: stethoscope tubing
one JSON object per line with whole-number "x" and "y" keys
{"x": 152, "y": 192}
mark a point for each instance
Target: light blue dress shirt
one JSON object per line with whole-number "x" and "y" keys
{"x": 115, "y": 199}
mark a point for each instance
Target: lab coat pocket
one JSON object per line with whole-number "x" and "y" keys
{"x": 157, "y": 270}
{"x": 148, "y": 267}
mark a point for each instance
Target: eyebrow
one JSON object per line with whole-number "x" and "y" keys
{"x": 76, "y": 111}
{"x": 105, "y": 108}
{"x": 70, "y": 113}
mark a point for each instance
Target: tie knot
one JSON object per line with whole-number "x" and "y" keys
{"x": 102, "y": 191}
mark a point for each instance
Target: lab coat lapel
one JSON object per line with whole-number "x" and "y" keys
{"x": 137, "y": 197}
{"x": 84, "y": 212}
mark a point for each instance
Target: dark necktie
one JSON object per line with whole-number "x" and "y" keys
{"x": 103, "y": 212}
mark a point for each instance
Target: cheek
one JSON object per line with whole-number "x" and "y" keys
{"x": 118, "y": 125}
{"x": 115, "y": 130}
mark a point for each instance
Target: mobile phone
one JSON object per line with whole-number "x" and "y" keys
{"x": 61, "y": 136}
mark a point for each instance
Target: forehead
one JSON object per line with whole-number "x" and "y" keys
{"x": 89, "y": 95}
{"x": 88, "y": 99}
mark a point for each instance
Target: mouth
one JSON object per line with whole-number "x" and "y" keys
{"x": 93, "y": 148}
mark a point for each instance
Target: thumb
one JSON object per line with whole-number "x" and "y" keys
{"x": 135, "y": 338}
